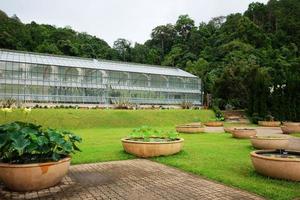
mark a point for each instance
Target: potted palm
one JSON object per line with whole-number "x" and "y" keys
{"x": 32, "y": 157}
{"x": 148, "y": 142}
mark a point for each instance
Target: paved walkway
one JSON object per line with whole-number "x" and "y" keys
{"x": 131, "y": 179}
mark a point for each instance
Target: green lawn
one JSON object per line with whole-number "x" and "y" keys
{"x": 216, "y": 156}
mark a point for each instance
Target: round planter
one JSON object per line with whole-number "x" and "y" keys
{"x": 194, "y": 124}
{"x": 269, "y": 123}
{"x": 265, "y": 142}
{"x": 229, "y": 130}
{"x": 213, "y": 124}
{"x": 290, "y": 129}
{"x": 243, "y": 133}
{"x": 30, "y": 177}
{"x": 282, "y": 168}
{"x": 152, "y": 149}
{"x": 291, "y": 123}
{"x": 189, "y": 128}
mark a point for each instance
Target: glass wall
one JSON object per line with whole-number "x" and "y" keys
{"x": 28, "y": 82}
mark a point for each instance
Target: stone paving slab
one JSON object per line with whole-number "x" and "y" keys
{"x": 131, "y": 179}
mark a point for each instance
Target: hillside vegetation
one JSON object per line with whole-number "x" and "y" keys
{"x": 246, "y": 60}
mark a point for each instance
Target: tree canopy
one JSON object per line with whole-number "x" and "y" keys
{"x": 249, "y": 60}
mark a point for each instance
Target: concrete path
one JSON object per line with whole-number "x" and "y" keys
{"x": 131, "y": 179}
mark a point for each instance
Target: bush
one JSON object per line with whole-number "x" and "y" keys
{"x": 218, "y": 113}
{"x": 8, "y": 102}
{"x": 22, "y": 142}
{"x": 186, "y": 105}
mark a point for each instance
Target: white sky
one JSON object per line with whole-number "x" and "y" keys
{"x": 113, "y": 19}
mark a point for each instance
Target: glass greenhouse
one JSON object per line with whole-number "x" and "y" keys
{"x": 43, "y": 78}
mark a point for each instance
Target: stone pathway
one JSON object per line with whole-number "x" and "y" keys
{"x": 131, "y": 179}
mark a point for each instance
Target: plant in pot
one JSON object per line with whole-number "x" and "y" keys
{"x": 32, "y": 157}
{"x": 216, "y": 122}
{"x": 149, "y": 142}
{"x": 269, "y": 122}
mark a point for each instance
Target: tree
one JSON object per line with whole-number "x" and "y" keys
{"x": 184, "y": 25}
{"x": 163, "y": 37}
{"x": 122, "y": 46}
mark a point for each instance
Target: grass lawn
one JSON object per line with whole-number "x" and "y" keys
{"x": 216, "y": 156}
{"x": 296, "y": 134}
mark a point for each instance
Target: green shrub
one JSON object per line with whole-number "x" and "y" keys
{"x": 22, "y": 142}
{"x": 149, "y": 134}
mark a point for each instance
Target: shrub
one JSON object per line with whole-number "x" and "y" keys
{"x": 186, "y": 105}
{"x": 148, "y": 134}
{"x": 22, "y": 142}
{"x": 8, "y": 102}
{"x": 121, "y": 103}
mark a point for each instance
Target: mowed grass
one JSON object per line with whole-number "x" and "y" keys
{"x": 85, "y": 118}
{"x": 215, "y": 156}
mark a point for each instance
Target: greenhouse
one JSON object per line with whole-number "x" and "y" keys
{"x": 42, "y": 78}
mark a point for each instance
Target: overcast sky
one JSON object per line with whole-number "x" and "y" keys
{"x": 112, "y": 19}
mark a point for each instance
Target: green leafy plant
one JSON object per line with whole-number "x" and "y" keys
{"x": 22, "y": 142}
{"x": 149, "y": 134}
{"x": 186, "y": 105}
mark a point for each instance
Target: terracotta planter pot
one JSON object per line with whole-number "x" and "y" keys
{"x": 290, "y": 129}
{"x": 229, "y": 130}
{"x": 291, "y": 123}
{"x": 261, "y": 142}
{"x": 194, "y": 124}
{"x": 189, "y": 128}
{"x": 30, "y": 177}
{"x": 282, "y": 168}
{"x": 243, "y": 133}
{"x": 269, "y": 123}
{"x": 152, "y": 149}
{"x": 214, "y": 124}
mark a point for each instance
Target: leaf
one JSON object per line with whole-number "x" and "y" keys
{"x": 42, "y": 140}
{"x": 20, "y": 144}
{"x": 55, "y": 156}
{"x": 3, "y": 140}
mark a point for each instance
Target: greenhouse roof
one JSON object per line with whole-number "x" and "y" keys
{"x": 68, "y": 61}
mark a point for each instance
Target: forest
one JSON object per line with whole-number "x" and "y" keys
{"x": 247, "y": 60}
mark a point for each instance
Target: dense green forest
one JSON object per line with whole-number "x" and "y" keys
{"x": 248, "y": 60}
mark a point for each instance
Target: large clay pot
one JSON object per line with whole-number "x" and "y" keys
{"x": 243, "y": 133}
{"x": 190, "y": 128}
{"x": 152, "y": 149}
{"x": 229, "y": 129}
{"x": 290, "y": 129}
{"x": 291, "y": 123}
{"x": 214, "y": 124}
{"x": 269, "y": 142}
{"x": 30, "y": 177}
{"x": 269, "y": 123}
{"x": 282, "y": 168}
